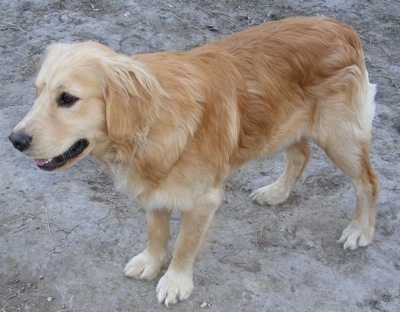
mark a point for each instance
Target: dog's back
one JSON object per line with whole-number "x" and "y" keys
{"x": 285, "y": 73}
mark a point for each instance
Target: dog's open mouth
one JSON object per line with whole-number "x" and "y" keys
{"x": 61, "y": 160}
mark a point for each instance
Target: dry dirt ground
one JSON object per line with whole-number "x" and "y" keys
{"x": 65, "y": 237}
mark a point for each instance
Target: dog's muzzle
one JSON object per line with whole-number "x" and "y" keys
{"x": 23, "y": 142}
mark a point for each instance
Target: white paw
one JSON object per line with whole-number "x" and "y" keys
{"x": 174, "y": 286}
{"x": 144, "y": 266}
{"x": 272, "y": 194}
{"x": 354, "y": 236}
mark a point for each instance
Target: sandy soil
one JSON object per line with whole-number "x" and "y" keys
{"x": 65, "y": 237}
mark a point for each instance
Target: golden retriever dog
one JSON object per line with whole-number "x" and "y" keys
{"x": 172, "y": 126}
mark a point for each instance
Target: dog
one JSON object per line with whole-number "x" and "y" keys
{"x": 171, "y": 126}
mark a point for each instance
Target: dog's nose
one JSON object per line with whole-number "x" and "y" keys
{"x": 21, "y": 141}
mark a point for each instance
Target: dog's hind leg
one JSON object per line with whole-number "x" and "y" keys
{"x": 345, "y": 139}
{"x": 353, "y": 160}
{"x": 148, "y": 263}
{"x": 352, "y": 157}
{"x": 297, "y": 156}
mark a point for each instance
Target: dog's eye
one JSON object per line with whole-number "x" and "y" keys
{"x": 67, "y": 100}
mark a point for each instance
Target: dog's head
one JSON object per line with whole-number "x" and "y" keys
{"x": 86, "y": 95}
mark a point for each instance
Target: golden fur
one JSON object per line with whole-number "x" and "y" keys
{"x": 172, "y": 126}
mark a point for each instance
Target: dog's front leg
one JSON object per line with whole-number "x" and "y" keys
{"x": 148, "y": 263}
{"x": 177, "y": 282}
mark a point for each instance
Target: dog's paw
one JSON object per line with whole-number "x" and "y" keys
{"x": 144, "y": 266}
{"x": 272, "y": 194}
{"x": 354, "y": 236}
{"x": 174, "y": 286}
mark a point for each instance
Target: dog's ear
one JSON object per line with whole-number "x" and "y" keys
{"x": 131, "y": 96}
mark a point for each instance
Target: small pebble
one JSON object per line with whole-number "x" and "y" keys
{"x": 212, "y": 28}
{"x": 203, "y": 305}
{"x": 40, "y": 276}
{"x": 64, "y": 18}
{"x": 49, "y": 299}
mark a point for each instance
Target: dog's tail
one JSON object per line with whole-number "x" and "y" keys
{"x": 367, "y": 103}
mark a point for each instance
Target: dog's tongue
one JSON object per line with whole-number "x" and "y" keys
{"x": 41, "y": 162}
